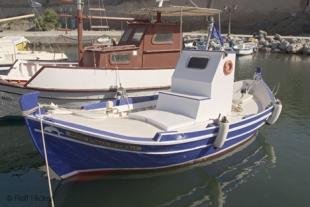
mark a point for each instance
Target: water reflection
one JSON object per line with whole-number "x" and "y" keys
{"x": 199, "y": 185}
{"x": 17, "y": 153}
{"x": 203, "y": 184}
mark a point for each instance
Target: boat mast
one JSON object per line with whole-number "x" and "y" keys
{"x": 79, "y": 16}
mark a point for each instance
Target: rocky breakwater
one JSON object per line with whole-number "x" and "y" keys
{"x": 282, "y": 44}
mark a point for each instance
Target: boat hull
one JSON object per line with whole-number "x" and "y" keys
{"x": 243, "y": 52}
{"x": 10, "y": 96}
{"x": 72, "y": 151}
{"x": 84, "y": 85}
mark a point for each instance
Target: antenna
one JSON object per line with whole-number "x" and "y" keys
{"x": 160, "y": 2}
{"x": 193, "y": 3}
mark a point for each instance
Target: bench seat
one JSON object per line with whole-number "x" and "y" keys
{"x": 164, "y": 120}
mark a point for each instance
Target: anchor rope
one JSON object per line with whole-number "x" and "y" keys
{"x": 46, "y": 159}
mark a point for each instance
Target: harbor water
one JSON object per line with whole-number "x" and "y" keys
{"x": 273, "y": 169}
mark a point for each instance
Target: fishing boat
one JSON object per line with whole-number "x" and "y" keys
{"x": 247, "y": 48}
{"x": 14, "y": 48}
{"x": 204, "y": 115}
{"x": 134, "y": 65}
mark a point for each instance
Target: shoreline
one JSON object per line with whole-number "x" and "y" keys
{"x": 266, "y": 43}
{"x": 38, "y": 36}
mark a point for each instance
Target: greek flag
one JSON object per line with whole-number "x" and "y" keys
{"x": 258, "y": 73}
{"x": 216, "y": 34}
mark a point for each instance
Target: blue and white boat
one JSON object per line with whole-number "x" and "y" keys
{"x": 204, "y": 115}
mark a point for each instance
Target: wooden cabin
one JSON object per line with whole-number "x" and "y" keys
{"x": 144, "y": 45}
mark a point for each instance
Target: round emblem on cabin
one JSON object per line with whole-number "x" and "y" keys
{"x": 228, "y": 67}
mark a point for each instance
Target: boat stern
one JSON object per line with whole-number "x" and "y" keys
{"x": 268, "y": 97}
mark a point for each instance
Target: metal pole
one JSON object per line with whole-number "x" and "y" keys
{"x": 229, "y": 23}
{"x": 79, "y": 17}
{"x": 220, "y": 26}
{"x": 181, "y": 29}
{"x": 158, "y": 17}
{"x": 66, "y": 21}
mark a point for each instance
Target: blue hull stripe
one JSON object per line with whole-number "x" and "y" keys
{"x": 160, "y": 151}
{"x": 66, "y": 156}
{"x": 157, "y": 146}
{"x": 187, "y": 137}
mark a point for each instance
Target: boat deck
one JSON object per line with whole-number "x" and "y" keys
{"x": 250, "y": 107}
{"x": 122, "y": 126}
{"x": 133, "y": 127}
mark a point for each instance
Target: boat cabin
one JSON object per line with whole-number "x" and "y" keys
{"x": 201, "y": 89}
{"x": 144, "y": 45}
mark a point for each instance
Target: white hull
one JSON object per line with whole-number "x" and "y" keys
{"x": 241, "y": 52}
{"x": 88, "y": 79}
{"x": 74, "y": 86}
{"x": 9, "y": 100}
{"x": 247, "y": 48}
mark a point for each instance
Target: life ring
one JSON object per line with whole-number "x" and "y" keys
{"x": 228, "y": 67}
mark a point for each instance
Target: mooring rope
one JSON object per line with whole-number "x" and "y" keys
{"x": 46, "y": 159}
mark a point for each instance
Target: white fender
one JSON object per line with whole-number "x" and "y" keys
{"x": 276, "y": 112}
{"x": 222, "y": 133}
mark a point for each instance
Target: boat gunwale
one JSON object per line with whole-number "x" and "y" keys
{"x": 142, "y": 140}
{"x": 185, "y": 150}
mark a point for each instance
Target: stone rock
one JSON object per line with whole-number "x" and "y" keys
{"x": 306, "y": 49}
{"x": 302, "y": 41}
{"x": 283, "y": 45}
{"x": 265, "y": 49}
{"x": 277, "y": 37}
{"x": 252, "y": 39}
{"x": 292, "y": 40}
{"x": 275, "y": 44}
{"x": 262, "y": 33}
{"x": 270, "y": 39}
{"x": 295, "y": 48}
{"x": 260, "y": 47}
{"x": 266, "y": 44}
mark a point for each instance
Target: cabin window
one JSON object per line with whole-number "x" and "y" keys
{"x": 198, "y": 63}
{"x": 162, "y": 38}
{"x": 120, "y": 58}
{"x": 138, "y": 34}
{"x": 126, "y": 35}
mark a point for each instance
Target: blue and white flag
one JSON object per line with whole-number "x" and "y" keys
{"x": 258, "y": 73}
{"x": 217, "y": 35}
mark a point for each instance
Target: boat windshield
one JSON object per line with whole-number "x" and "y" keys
{"x": 132, "y": 35}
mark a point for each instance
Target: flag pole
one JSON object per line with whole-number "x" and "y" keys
{"x": 210, "y": 28}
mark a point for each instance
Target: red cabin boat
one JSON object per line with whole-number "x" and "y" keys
{"x": 144, "y": 45}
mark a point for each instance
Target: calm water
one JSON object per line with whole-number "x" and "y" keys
{"x": 273, "y": 170}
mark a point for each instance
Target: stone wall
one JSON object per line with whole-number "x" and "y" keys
{"x": 276, "y": 16}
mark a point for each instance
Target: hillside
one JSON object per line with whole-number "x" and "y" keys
{"x": 282, "y": 16}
